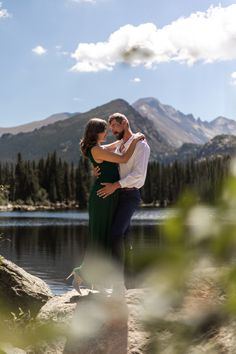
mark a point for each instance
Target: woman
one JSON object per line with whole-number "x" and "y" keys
{"x": 101, "y": 210}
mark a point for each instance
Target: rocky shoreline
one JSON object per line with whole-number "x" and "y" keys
{"x": 94, "y": 323}
{"x": 26, "y": 207}
{"x": 52, "y": 206}
{"x": 84, "y": 323}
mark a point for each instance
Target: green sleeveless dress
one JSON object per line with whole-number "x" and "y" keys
{"x": 101, "y": 211}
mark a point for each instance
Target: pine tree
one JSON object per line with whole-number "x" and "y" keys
{"x": 66, "y": 184}
{"x": 20, "y": 178}
{"x": 72, "y": 182}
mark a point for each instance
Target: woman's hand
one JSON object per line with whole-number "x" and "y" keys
{"x": 139, "y": 136}
{"x": 96, "y": 171}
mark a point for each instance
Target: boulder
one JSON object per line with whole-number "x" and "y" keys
{"x": 95, "y": 323}
{"x": 101, "y": 323}
{"x": 19, "y": 289}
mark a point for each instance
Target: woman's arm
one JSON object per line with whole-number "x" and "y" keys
{"x": 112, "y": 146}
{"x": 102, "y": 154}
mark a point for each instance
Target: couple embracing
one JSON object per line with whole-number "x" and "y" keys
{"x": 121, "y": 171}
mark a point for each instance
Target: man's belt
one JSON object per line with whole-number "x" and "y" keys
{"x": 129, "y": 189}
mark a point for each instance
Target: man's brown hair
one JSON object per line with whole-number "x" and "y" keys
{"x": 119, "y": 117}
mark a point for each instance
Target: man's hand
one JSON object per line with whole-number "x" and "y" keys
{"x": 108, "y": 189}
{"x": 96, "y": 171}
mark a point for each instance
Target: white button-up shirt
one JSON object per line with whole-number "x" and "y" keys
{"x": 133, "y": 172}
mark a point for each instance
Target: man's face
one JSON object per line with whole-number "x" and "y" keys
{"x": 118, "y": 129}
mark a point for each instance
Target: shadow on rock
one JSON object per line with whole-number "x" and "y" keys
{"x": 99, "y": 325}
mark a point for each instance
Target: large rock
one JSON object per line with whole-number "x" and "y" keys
{"x": 104, "y": 325}
{"x": 19, "y": 289}
{"x": 95, "y": 323}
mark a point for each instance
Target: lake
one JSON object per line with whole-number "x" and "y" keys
{"x": 49, "y": 244}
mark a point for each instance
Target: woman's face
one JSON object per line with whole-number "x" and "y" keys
{"x": 102, "y": 136}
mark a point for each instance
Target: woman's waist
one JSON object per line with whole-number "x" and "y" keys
{"x": 107, "y": 180}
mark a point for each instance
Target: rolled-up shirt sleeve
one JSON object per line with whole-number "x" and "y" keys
{"x": 137, "y": 175}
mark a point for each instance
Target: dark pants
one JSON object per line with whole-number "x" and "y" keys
{"x": 129, "y": 200}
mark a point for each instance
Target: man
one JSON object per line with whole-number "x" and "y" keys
{"x": 132, "y": 178}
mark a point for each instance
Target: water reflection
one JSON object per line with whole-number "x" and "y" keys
{"x": 50, "y": 244}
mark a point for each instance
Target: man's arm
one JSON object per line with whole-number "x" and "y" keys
{"x": 139, "y": 170}
{"x": 138, "y": 173}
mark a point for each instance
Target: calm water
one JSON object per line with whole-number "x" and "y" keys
{"x": 49, "y": 244}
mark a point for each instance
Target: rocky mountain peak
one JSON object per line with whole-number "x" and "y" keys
{"x": 179, "y": 128}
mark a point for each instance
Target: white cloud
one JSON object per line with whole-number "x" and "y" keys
{"x": 3, "y": 12}
{"x": 39, "y": 50}
{"x": 203, "y": 36}
{"x": 136, "y": 80}
{"x": 233, "y": 78}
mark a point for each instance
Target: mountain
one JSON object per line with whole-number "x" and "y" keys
{"x": 64, "y": 136}
{"x": 222, "y": 125}
{"x": 219, "y": 146}
{"x": 171, "y": 134}
{"x": 183, "y": 153}
{"x": 24, "y": 128}
{"x": 178, "y": 128}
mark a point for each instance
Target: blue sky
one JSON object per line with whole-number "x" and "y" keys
{"x": 69, "y": 56}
